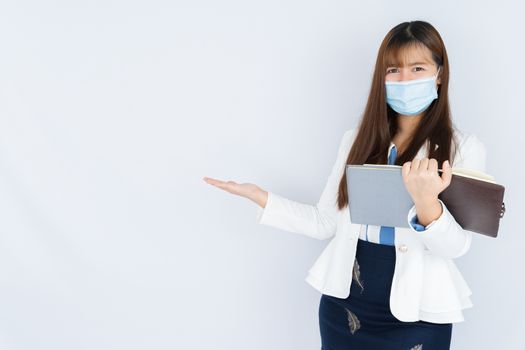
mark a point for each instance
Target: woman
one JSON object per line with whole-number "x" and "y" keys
{"x": 389, "y": 287}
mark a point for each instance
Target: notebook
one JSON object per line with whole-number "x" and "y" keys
{"x": 377, "y": 196}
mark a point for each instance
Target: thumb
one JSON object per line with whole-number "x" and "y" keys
{"x": 446, "y": 176}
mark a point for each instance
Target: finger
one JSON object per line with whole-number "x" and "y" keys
{"x": 423, "y": 165}
{"x": 405, "y": 170}
{"x": 415, "y": 164}
{"x": 228, "y": 186}
{"x": 225, "y": 185}
{"x": 447, "y": 174}
{"x": 213, "y": 181}
{"x": 433, "y": 166}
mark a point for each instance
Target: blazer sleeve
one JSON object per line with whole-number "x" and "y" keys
{"x": 317, "y": 221}
{"x": 444, "y": 236}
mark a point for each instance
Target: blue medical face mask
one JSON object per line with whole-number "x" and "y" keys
{"x": 413, "y": 96}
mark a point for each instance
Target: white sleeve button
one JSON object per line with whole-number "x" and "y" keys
{"x": 403, "y": 248}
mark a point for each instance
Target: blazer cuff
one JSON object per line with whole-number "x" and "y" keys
{"x": 262, "y": 213}
{"x": 315, "y": 221}
{"x": 443, "y": 236}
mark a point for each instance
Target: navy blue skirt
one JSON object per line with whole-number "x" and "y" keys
{"x": 363, "y": 321}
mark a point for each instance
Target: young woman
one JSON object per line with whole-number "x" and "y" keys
{"x": 389, "y": 287}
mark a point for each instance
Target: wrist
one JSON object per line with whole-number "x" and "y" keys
{"x": 428, "y": 210}
{"x": 426, "y": 201}
{"x": 260, "y": 197}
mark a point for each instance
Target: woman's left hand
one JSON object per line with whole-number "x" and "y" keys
{"x": 422, "y": 179}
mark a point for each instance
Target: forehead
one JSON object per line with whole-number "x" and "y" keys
{"x": 408, "y": 55}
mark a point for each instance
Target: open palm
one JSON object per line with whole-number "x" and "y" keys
{"x": 247, "y": 190}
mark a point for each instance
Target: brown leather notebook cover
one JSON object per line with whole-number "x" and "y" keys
{"x": 477, "y": 205}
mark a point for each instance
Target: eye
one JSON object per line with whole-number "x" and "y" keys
{"x": 390, "y": 70}
{"x": 420, "y": 67}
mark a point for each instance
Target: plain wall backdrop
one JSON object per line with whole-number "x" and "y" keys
{"x": 111, "y": 112}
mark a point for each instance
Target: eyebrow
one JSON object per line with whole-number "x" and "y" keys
{"x": 411, "y": 64}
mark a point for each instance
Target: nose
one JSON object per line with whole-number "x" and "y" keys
{"x": 405, "y": 75}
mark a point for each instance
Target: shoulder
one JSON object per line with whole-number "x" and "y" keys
{"x": 349, "y": 134}
{"x": 466, "y": 139}
{"x": 470, "y": 151}
{"x": 347, "y": 140}
{"x": 468, "y": 142}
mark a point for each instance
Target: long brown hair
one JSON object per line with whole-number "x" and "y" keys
{"x": 378, "y": 123}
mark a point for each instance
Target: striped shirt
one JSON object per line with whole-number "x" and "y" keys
{"x": 386, "y": 234}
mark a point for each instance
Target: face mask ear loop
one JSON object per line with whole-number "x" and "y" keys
{"x": 437, "y": 74}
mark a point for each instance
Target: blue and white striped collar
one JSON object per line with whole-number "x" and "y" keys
{"x": 422, "y": 153}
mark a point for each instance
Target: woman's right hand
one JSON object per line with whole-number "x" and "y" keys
{"x": 247, "y": 190}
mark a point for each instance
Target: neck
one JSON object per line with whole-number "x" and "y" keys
{"x": 407, "y": 124}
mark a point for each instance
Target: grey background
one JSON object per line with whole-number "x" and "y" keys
{"x": 111, "y": 112}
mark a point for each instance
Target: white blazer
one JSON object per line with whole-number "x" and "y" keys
{"x": 426, "y": 283}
